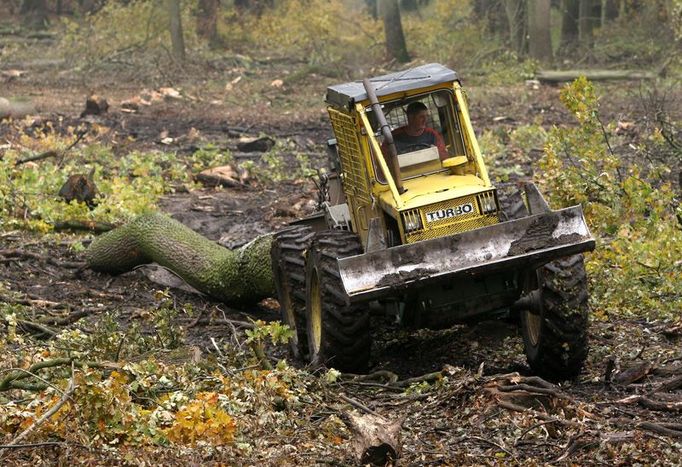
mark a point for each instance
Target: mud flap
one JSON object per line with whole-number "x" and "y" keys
{"x": 524, "y": 243}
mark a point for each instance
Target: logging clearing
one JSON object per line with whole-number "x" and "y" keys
{"x": 140, "y": 189}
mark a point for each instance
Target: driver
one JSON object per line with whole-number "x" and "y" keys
{"x": 416, "y": 135}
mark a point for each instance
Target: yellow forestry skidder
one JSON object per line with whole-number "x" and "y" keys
{"x": 427, "y": 237}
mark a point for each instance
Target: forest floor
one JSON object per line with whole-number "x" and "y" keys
{"x": 481, "y": 408}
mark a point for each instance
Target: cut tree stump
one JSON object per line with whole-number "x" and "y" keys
{"x": 376, "y": 440}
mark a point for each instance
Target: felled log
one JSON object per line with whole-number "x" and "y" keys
{"x": 242, "y": 276}
{"x": 376, "y": 440}
{"x": 12, "y": 109}
{"x": 560, "y": 76}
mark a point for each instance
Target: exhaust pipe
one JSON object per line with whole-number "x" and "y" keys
{"x": 388, "y": 136}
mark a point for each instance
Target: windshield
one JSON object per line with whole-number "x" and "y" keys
{"x": 425, "y": 130}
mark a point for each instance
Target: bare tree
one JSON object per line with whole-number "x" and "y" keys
{"x": 393, "y": 29}
{"x": 175, "y": 28}
{"x": 539, "y": 38}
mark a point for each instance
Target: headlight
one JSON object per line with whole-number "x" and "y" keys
{"x": 487, "y": 202}
{"x": 412, "y": 220}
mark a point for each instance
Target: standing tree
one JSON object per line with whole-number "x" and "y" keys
{"x": 570, "y": 12}
{"x": 516, "y": 18}
{"x": 585, "y": 22}
{"x": 175, "y": 28}
{"x": 539, "y": 38}
{"x": 207, "y": 20}
{"x": 393, "y": 29}
{"x": 34, "y": 13}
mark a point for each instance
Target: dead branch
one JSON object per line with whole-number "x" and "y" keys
{"x": 661, "y": 428}
{"x": 23, "y": 254}
{"x": 358, "y": 405}
{"x": 53, "y": 153}
{"x": 66, "y": 396}
{"x": 668, "y": 386}
{"x": 89, "y": 226}
{"x": 12, "y": 380}
{"x": 633, "y": 374}
{"x": 517, "y": 408}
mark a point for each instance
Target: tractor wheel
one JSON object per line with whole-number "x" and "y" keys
{"x": 511, "y": 202}
{"x": 555, "y": 336}
{"x": 338, "y": 332}
{"x": 288, "y": 267}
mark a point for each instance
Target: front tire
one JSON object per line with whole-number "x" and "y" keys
{"x": 289, "y": 250}
{"x": 555, "y": 339}
{"x": 338, "y": 332}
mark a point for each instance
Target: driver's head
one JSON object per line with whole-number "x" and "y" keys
{"x": 417, "y": 116}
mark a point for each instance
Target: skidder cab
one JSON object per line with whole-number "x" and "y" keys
{"x": 412, "y": 222}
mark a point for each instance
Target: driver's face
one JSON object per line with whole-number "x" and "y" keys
{"x": 417, "y": 121}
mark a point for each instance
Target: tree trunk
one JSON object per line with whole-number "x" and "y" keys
{"x": 175, "y": 29}
{"x": 570, "y": 11}
{"x": 516, "y": 18}
{"x": 396, "y": 48}
{"x": 490, "y": 13}
{"x": 239, "y": 277}
{"x": 539, "y": 38}
{"x": 34, "y": 13}
{"x": 207, "y": 20}
{"x": 585, "y": 23}
{"x": 609, "y": 10}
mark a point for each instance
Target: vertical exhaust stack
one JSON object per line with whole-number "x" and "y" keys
{"x": 388, "y": 136}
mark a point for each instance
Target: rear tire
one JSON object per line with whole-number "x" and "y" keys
{"x": 289, "y": 249}
{"x": 338, "y": 332}
{"x": 556, "y": 340}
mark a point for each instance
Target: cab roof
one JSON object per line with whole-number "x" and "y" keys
{"x": 347, "y": 94}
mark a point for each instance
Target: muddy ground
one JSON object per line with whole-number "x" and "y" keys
{"x": 470, "y": 420}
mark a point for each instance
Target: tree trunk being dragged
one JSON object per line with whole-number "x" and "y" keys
{"x": 241, "y": 276}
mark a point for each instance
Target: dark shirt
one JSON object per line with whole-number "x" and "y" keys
{"x": 429, "y": 137}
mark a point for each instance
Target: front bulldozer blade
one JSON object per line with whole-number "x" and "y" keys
{"x": 525, "y": 243}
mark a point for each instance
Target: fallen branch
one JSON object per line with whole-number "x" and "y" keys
{"x": 89, "y": 226}
{"x": 66, "y": 396}
{"x": 53, "y": 153}
{"x": 661, "y": 428}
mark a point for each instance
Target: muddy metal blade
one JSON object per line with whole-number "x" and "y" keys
{"x": 528, "y": 242}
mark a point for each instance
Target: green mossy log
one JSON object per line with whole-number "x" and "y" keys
{"x": 241, "y": 276}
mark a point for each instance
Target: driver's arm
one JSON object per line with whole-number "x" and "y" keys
{"x": 440, "y": 143}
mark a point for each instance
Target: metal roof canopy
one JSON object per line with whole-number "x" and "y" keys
{"x": 347, "y": 94}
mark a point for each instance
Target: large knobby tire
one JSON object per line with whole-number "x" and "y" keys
{"x": 512, "y": 205}
{"x": 289, "y": 249}
{"x": 338, "y": 332}
{"x": 556, "y": 339}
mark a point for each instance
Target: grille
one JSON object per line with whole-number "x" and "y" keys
{"x": 452, "y": 225}
{"x": 455, "y": 228}
{"x": 355, "y": 177}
